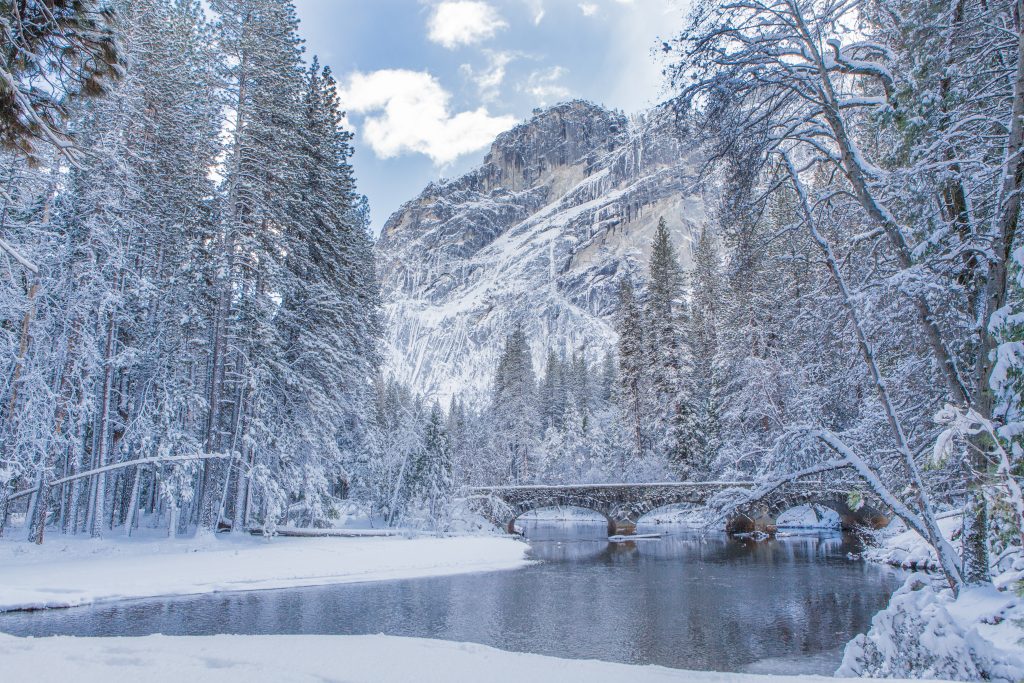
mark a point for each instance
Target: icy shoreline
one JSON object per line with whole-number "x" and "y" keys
{"x": 355, "y": 659}
{"x": 928, "y": 631}
{"x": 70, "y": 572}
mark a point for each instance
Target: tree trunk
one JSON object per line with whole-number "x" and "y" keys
{"x": 133, "y": 502}
{"x": 1004, "y": 231}
{"x": 104, "y": 429}
{"x": 946, "y": 555}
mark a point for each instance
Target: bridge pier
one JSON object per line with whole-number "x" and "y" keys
{"x": 751, "y": 521}
{"x": 621, "y": 527}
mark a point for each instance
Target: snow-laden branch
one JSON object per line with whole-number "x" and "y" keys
{"x": 157, "y": 460}
{"x": 17, "y": 256}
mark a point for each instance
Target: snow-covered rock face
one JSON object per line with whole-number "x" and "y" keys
{"x": 563, "y": 207}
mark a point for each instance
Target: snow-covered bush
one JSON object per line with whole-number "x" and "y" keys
{"x": 924, "y": 633}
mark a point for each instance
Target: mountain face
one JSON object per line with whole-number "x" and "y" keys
{"x": 563, "y": 207}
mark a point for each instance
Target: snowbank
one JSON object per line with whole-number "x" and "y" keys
{"x": 926, "y": 633}
{"x": 71, "y": 572}
{"x": 376, "y": 659}
{"x": 906, "y": 549}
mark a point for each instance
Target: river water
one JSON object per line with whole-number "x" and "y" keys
{"x": 782, "y": 606}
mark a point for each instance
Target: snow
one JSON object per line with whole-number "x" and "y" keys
{"x": 925, "y": 631}
{"x": 809, "y": 517}
{"x": 562, "y": 514}
{"x": 376, "y": 659}
{"x": 905, "y": 548}
{"x": 543, "y": 241}
{"x": 685, "y": 516}
{"x": 72, "y": 572}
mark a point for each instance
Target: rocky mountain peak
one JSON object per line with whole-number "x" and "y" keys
{"x": 563, "y": 207}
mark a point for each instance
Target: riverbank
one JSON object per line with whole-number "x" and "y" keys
{"x": 354, "y": 659}
{"x": 68, "y": 572}
{"x": 925, "y": 629}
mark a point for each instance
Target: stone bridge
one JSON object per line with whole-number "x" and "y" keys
{"x": 742, "y": 509}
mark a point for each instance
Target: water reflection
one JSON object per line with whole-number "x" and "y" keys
{"x": 685, "y": 601}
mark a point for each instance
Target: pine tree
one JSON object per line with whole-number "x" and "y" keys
{"x": 53, "y": 51}
{"x": 551, "y": 394}
{"x": 261, "y": 186}
{"x": 435, "y": 475}
{"x": 704, "y": 319}
{"x": 514, "y": 405}
{"x": 633, "y": 368}
{"x": 678, "y": 436}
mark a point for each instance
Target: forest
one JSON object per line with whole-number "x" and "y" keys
{"x": 190, "y": 315}
{"x": 189, "y": 273}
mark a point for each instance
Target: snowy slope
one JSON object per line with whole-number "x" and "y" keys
{"x": 297, "y": 659}
{"x": 562, "y": 208}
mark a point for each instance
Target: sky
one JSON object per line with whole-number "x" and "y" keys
{"x": 429, "y": 84}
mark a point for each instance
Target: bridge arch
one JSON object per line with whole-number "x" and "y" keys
{"x": 519, "y": 511}
{"x": 667, "y": 507}
{"x": 763, "y": 514}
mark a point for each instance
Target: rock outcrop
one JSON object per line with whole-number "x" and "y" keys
{"x": 563, "y": 207}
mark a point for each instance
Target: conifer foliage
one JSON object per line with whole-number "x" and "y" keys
{"x": 53, "y": 50}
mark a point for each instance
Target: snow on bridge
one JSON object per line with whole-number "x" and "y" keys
{"x": 742, "y": 505}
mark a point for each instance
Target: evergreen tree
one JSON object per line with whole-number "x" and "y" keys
{"x": 53, "y": 51}
{"x": 434, "y": 477}
{"x": 633, "y": 369}
{"x": 677, "y": 434}
{"x": 551, "y": 394}
{"x": 514, "y": 406}
{"x": 705, "y": 302}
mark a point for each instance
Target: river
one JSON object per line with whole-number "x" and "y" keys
{"x": 786, "y": 605}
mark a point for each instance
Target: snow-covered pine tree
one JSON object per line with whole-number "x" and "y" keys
{"x": 261, "y": 186}
{"x": 327, "y": 323}
{"x": 705, "y": 301}
{"x": 551, "y": 393}
{"x": 676, "y": 433}
{"x": 634, "y": 381}
{"x": 434, "y": 469}
{"x": 514, "y": 406}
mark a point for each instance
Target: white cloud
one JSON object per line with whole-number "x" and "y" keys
{"x": 536, "y": 8}
{"x": 463, "y": 22}
{"x": 543, "y": 85}
{"x": 408, "y": 111}
{"x": 589, "y": 9}
{"x": 488, "y": 80}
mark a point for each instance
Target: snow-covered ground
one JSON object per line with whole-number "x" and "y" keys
{"x": 925, "y": 630}
{"x": 66, "y": 572}
{"x": 373, "y": 659}
{"x": 903, "y": 548}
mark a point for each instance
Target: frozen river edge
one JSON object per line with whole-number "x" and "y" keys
{"x": 74, "y": 572}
